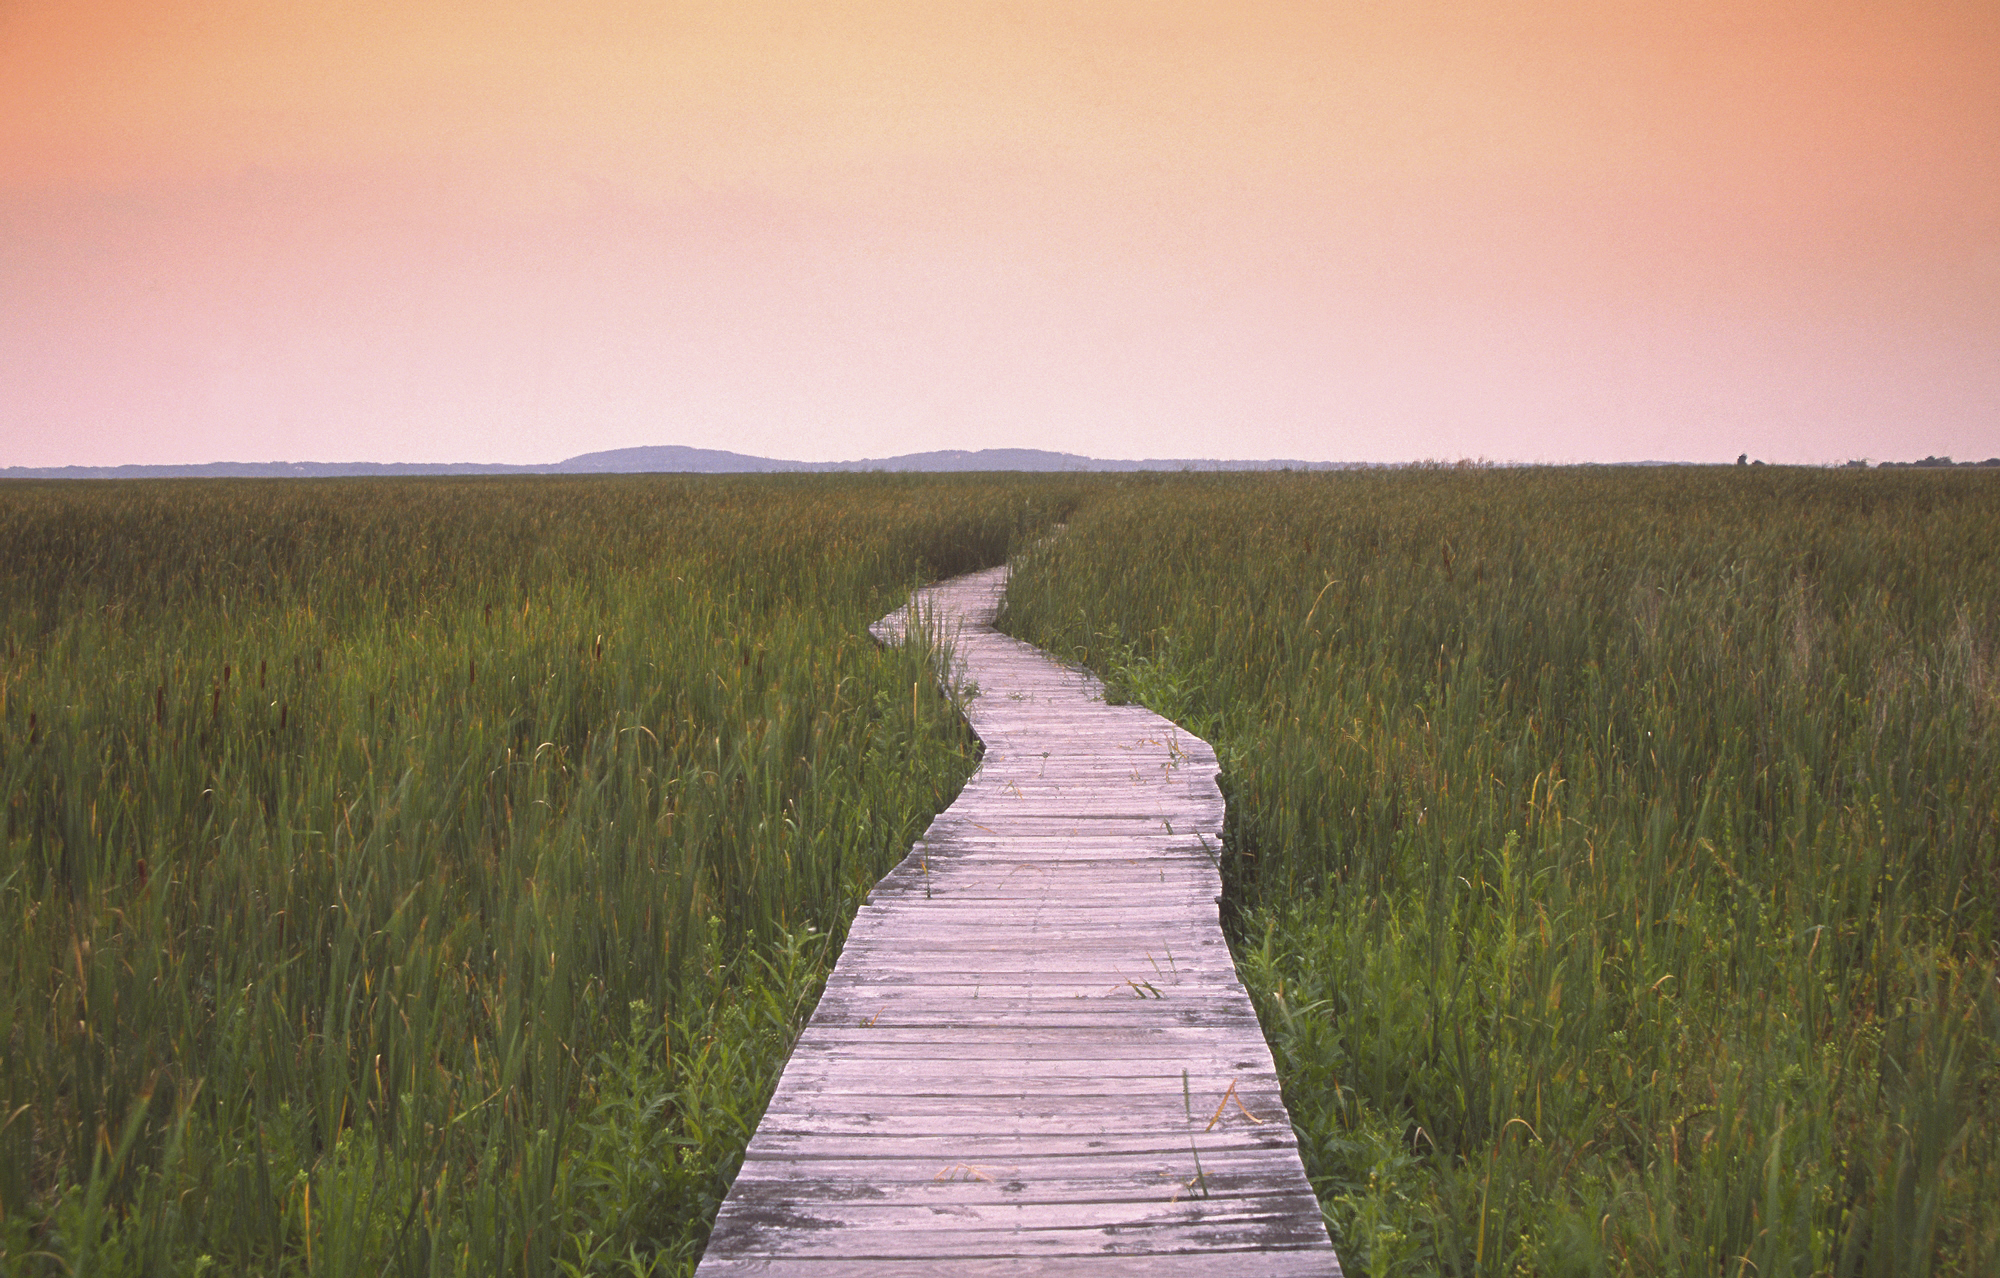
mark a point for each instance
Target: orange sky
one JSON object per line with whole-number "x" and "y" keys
{"x": 1352, "y": 231}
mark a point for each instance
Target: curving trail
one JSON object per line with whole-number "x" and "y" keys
{"x": 1034, "y": 1055}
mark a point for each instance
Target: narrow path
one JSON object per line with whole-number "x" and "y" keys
{"x": 1034, "y": 1055}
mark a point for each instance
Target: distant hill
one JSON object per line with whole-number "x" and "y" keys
{"x": 269, "y": 470}
{"x": 674, "y": 459}
{"x": 663, "y": 459}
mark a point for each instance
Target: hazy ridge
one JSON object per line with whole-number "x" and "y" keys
{"x": 667, "y": 458}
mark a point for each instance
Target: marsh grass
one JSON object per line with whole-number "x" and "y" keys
{"x": 1614, "y": 855}
{"x": 430, "y": 876}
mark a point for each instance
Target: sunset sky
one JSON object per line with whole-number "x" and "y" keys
{"x": 1362, "y": 230}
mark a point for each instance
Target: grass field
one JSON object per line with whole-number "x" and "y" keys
{"x": 1614, "y": 854}
{"x": 430, "y": 876}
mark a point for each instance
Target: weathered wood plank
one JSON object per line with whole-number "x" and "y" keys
{"x": 1204, "y": 1100}
{"x": 1034, "y": 1055}
{"x": 1099, "y": 1178}
{"x": 1237, "y": 1263}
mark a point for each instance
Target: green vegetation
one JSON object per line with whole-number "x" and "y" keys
{"x": 1615, "y": 855}
{"x": 430, "y": 876}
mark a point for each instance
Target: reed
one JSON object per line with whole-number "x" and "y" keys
{"x": 1614, "y": 855}
{"x": 430, "y": 876}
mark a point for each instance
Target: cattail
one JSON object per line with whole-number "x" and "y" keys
{"x": 160, "y": 706}
{"x": 260, "y": 672}
{"x": 472, "y": 672}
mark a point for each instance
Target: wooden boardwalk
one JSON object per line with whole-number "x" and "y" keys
{"x": 1034, "y": 1055}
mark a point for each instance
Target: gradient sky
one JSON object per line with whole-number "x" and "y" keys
{"x": 1369, "y": 230}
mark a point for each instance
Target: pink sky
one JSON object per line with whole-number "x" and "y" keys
{"x": 1373, "y": 230}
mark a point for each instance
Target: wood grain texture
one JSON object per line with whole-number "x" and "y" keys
{"x": 1034, "y": 1055}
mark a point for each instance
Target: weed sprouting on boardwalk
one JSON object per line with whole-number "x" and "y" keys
{"x": 429, "y": 876}
{"x": 1615, "y": 855}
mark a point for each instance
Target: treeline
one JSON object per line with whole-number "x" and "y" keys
{"x": 1932, "y": 462}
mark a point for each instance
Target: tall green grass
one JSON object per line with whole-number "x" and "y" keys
{"x": 430, "y": 876}
{"x": 1615, "y": 855}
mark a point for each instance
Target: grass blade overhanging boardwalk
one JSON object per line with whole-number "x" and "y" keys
{"x": 1034, "y": 1055}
